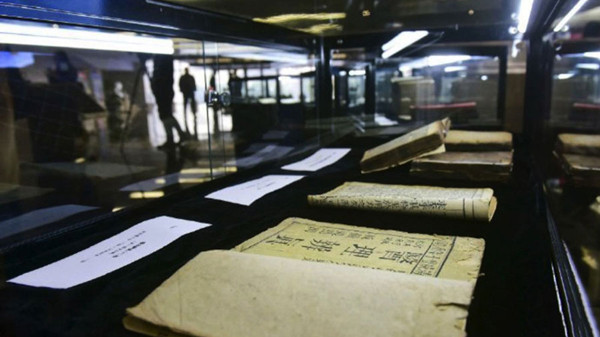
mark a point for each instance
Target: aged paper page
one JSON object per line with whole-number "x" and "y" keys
{"x": 448, "y": 257}
{"x": 227, "y": 294}
{"x": 462, "y": 203}
{"x": 404, "y": 148}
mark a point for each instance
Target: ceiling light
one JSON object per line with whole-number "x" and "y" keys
{"x": 569, "y": 15}
{"x": 524, "y": 13}
{"x": 82, "y": 39}
{"x": 15, "y": 60}
{"x": 589, "y": 66}
{"x": 452, "y": 69}
{"x": 438, "y": 60}
{"x": 401, "y": 41}
{"x": 357, "y": 72}
{"x": 593, "y": 54}
{"x": 565, "y": 76}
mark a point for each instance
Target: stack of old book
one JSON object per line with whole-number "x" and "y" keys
{"x": 579, "y": 156}
{"x": 423, "y": 141}
{"x": 309, "y": 278}
{"x": 471, "y": 155}
{"x": 437, "y": 152}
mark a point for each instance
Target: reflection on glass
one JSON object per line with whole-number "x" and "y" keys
{"x": 109, "y": 129}
{"x": 463, "y": 87}
{"x": 576, "y": 91}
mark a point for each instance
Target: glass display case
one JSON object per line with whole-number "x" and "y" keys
{"x": 231, "y": 118}
{"x": 566, "y": 149}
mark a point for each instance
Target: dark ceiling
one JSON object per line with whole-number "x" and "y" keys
{"x": 347, "y": 17}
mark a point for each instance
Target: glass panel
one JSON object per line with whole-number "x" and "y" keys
{"x": 570, "y": 149}
{"x": 576, "y": 90}
{"x": 463, "y": 87}
{"x": 90, "y": 131}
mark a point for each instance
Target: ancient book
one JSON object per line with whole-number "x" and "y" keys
{"x": 578, "y": 144}
{"x": 448, "y": 257}
{"x": 261, "y": 291}
{"x": 493, "y": 166}
{"x": 405, "y": 148}
{"x": 459, "y": 140}
{"x": 581, "y": 170}
{"x": 462, "y": 203}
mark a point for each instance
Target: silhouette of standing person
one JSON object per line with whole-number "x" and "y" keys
{"x": 187, "y": 86}
{"x": 215, "y": 111}
{"x": 64, "y": 71}
{"x": 162, "y": 88}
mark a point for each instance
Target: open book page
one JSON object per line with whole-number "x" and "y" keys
{"x": 448, "y": 257}
{"x": 462, "y": 203}
{"x": 227, "y": 293}
{"x": 404, "y": 148}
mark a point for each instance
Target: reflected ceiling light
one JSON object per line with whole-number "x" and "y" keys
{"x": 146, "y": 195}
{"x": 296, "y": 71}
{"x": 484, "y": 77}
{"x": 273, "y": 57}
{"x": 589, "y": 66}
{"x": 357, "y": 72}
{"x": 15, "y": 60}
{"x": 82, "y": 39}
{"x": 322, "y": 27}
{"x": 524, "y": 14}
{"x": 565, "y": 76}
{"x": 452, "y": 69}
{"x": 401, "y": 41}
{"x": 432, "y": 61}
{"x": 594, "y": 54}
{"x": 438, "y": 60}
{"x": 569, "y": 15}
{"x": 301, "y": 16}
{"x": 193, "y": 180}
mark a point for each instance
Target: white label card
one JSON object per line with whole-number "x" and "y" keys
{"x": 111, "y": 254}
{"x": 320, "y": 159}
{"x": 248, "y": 192}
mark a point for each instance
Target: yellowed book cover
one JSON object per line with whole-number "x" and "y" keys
{"x": 461, "y": 140}
{"x": 228, "y": 294}
{"x": 492, "y": 166}
{"x": 300, "y": 278}
{"x": 405, "y": 148}
{"x": 583, "y": 144}
{"x": 461, "y": 203}
{"x": 581, "y": 170}
{"x": 448, "y": 257}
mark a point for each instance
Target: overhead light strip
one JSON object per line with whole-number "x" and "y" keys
{"x": 401, "y": 41}
{"x": 593, "y": 54}
{"x": 82, "y": 39}
{"x": 524, "y": 14}
{"x": 561, "y": 24}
